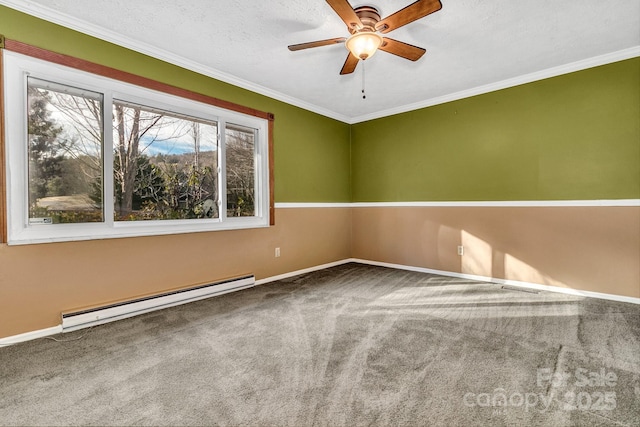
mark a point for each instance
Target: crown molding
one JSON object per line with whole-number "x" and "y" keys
{"x": 48, "y": 14}
{"x": 595, "y": 61}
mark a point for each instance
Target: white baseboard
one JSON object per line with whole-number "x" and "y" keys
{"x": 303, "y": 271}
{"x": 28, "y": 336}
{"x": 589, "y": 294}
{"x": 15, "y": 339}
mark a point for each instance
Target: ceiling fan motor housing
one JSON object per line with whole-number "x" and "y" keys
{"x": 369, "y": 16}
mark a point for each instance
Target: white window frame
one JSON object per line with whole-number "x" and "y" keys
{"x": 18, "y": 67}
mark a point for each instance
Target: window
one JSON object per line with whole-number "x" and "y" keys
{"x": 165, "y": 166}
{"x": 91, "y": 157}
{"x": 64, "y": 142}
{"x": 240, "y": 167}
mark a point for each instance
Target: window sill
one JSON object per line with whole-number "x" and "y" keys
{"x": 81, "y": 232}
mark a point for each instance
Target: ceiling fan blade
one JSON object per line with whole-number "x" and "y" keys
{"x": 317, "y": 43}
{"x": 350, "y": 64}
{"x": 346, "y": 13}
{"x": 402, "y": 49}
{"x": 416, "y": 10}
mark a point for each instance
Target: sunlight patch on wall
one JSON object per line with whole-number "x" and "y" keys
{"x": 478, "y": 255}
{"x": 516, "y": 269}
{"x": 481, "y": 258}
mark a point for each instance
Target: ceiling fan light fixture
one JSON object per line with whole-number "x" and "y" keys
{"x": 364, "y": 44}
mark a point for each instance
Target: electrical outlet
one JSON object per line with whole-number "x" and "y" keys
{"x": 277, "y": 252}
{"x": 460, "y": 250}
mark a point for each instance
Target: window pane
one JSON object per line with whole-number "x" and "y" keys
{"x": 65, "y": 154}
{"x": 165, "y": 165}
{"x": 240, "y": 157}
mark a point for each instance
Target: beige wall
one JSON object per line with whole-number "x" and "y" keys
{"x": 41, "y": 281}
{"x": 587, "y": 248}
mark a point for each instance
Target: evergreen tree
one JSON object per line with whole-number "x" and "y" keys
{"x": 46, "y": 148}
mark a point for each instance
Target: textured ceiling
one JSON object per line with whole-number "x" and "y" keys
{"x": 472, "y": 46}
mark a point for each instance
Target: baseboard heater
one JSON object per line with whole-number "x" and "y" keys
{"x": 74, "y": 320}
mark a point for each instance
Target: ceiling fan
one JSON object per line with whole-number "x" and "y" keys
{"x": 364, "y": 24}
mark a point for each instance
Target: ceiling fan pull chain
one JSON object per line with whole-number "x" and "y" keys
{"x": 364, "y": 96}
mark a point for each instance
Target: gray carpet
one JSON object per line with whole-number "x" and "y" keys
{"x": 347, "y": 346}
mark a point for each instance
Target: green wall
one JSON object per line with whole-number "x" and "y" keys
{"x": 572, "y": 137}
{"x": 311, "y": 151}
